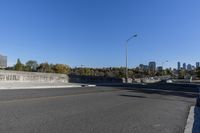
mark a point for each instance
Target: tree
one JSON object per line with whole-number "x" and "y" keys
{"x": 168, "y": 72}
{"x": 109, "y": 74}
{"x": 121, "y": 72}
{"x": 61, "y": 68}
{"x": 198, "y": 72}
{"x": 44, "y": 67}
{"x": 181, "y": 74}
{"x": 31, "y": 65}
{"x": 87, "y": 72}
{"x": 19, "y": 66}
{"x": 131, "y": 73}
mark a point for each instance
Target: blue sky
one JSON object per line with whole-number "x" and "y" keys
{"x": 93, "y": 32}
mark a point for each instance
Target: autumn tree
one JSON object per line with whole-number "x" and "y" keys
{"x": 61, "y": 68}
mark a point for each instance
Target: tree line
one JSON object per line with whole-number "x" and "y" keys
{"x": 33, "y": 66}
{"x": 115, "y": 72}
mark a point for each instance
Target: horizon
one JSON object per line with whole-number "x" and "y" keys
{"x": 93, "y": 33}
{"x": 147, "y": 64}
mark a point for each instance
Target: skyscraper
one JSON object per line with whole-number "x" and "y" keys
{"x": 189, "y": 67}
{"x": 3, "y": 61}
{"x": 197, "y": 64}
{"x": 152, "y": 66}
{"x": 179, "y": 66}
{"x": 184, "y": 66}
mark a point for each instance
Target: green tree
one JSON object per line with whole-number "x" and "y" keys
{"x": 44, "y": 67}
{"x": 19, "y": 66}
{"x": 198, "y": 72}
{"x": 109, "y": 74}
{"x": 121, "y": 72}
{"x": 181, "y": 74}
{"x": 31, "y": 65}
{"x": 87, "y": 72}
{"x": 168, "y": 72}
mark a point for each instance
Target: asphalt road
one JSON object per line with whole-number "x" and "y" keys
{"x": 93, "y": 110}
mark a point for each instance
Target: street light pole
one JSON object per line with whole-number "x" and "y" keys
{"x": 163, "y": 65}
{"x": 126, "y": 62}
{"x": 126, "y": 46}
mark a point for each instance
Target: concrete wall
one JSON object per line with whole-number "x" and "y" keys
{"x": 93, "y": 79}
{"x": 186, "y": 81}
{"x": 19, "y": 76}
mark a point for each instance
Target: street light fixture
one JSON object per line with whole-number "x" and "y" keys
{"x": 126, "y": 45}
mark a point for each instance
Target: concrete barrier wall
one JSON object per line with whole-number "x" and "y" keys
{"x": 186, "y": 81}
{"x": 19, "y": 76}
{"x": 93, "y": 79}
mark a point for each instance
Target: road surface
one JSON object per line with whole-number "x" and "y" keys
{"x": 93, "y": 110}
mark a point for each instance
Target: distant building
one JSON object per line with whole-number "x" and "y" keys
{"x": 146, "y": 67}
{"x": 184, "y": 66}
{"x": 152, "y": 66}
{"x": 143, "y": 67}
{"x": 197, "y": 64}
{"x": 160, "y": 68}
{"x": 179, "y": 66}
{"x": 3, "y": 61}
{"x": 193, "y": 67}
{"x": 189, "y": 67}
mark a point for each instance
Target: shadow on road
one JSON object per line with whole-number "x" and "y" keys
{"x": 183, "y": 90}
{"x": 166, "y": 93}
{"x": 196, "y": 126}
{"x": 132, "y": 96}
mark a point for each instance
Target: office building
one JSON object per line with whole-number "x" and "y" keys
{"x": 184, "y": 66}
{"x": 197, "y": 64}
{"x": 179, "y": 66}
{"x": 3, "y": 61}
{"x": 152, "y": 66}
{"x": 160, "y": 68}
{"x": 143, "y": 67}
{"x": 189, "y": 67}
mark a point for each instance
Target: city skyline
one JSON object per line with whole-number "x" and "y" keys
{"x": 75, "y": 33}
{"x": 149, "y": 65}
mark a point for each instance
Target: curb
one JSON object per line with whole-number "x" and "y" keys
{"x": 39, "y": 87}
{"x": 193, "y": 121}
{"x": 88, "y": 85}
{"x": 190, "y": 121}
{"x": 46, "y": 87}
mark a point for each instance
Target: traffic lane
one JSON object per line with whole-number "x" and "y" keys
{"x": 118, "y": 112}
{"x": 48, "y": 92}
{"x": 194, "y": 88}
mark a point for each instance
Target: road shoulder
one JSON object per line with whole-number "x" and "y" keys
{"x": 193, "y": 121}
